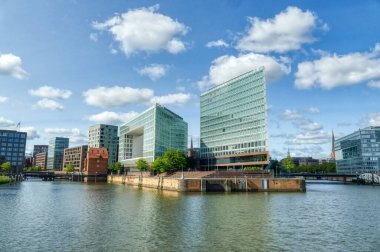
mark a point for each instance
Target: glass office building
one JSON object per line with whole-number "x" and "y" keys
{"x": 359, "y": 152}
{"x": 234, "y": 123}
{"x": 12, "y": 148}
{"x": 57, "y": 146}
{"x": 150, "y": 134}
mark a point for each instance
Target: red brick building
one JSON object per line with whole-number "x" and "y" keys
{"x": 96, "y": 162}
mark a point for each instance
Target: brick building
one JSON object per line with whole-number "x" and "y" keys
{"x": 96, "y": 162}
{"x": 76, "y": 156}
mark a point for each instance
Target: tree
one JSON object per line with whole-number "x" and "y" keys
{"x": 288, "y": 163}
{"x": 174, "y": 160}
{"x": 117, "y": 166}
{"x": 158, "y": 165}
{"x": 5, "y": 167}
{"x": 142, "y": 164}
{"x": 69, "y": 168}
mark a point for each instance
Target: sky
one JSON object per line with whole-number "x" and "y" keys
{"x": 66, "y": 65}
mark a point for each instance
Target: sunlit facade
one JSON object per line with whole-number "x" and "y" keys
{"x": 359, "y": 152}
{"x": 234, "y": 123}
{"x": 150, "y": 134}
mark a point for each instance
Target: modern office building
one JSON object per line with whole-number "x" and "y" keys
{"x": 39, "y": 149}
{"x": 41, "y": 160}
{"x": 234, "y": 123}
{"x": 104, "y": 136}
{"x": 12, "y": 148}
{"x": 57, "y": 145}
{"x": 359, "y": 152}
{"x": 150, "y": 134}
{"x": 75, "y": 156}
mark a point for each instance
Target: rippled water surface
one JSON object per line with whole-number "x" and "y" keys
{"x": 63, "y": 216}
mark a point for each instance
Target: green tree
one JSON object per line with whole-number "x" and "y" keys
{"x": 69, "y": 168}
{"x": 6, "y": 167}
{"x": 288, "y": 163}
{"x": 117, "y": 166}
{"x": 174, "y": 160}
{"x": 142, "y": 164}
{"x": 158, "y": 165}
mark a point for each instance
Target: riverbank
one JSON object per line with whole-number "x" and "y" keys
{"x": 207, "y": 183}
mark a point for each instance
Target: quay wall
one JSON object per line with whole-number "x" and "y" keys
{"x": 214, "y": 184}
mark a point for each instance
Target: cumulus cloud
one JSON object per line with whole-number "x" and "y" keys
{"x": 310, "y": 137}
{"x": 291, "y": 114}
{"x": 227, "y": 67}
{"x": 314, "y": 110}
{"x": 372, "y": 119}
{"x": 374, "y": 84}
{"x": 3, "y": 99}
{"x": 5, "y": 122}
{"x": 332, "y": 71}
{"x": 287, "y": 31}
{"x": 48, "y": 104}
{"x": 145, "y": 30}
{"x": 217, "y": 43}
{"x": 32, "y": 132}
{"x": 10, "y": 64}
{"x": 117, "y": 96}
{"x": 106, "y": 97}
{"x": 282, "y": 135}
{"x": 113, "y": 118}
{"x": 309, "y": 126}
{"x": 178, "y": 99}
{"x": 50, "y": 92}
{"x": 74, "y": 134}
{"x": 154, "y": 71}
{"x": 93, "y": 37}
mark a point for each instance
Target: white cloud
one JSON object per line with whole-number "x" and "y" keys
{"x": 113, "y": 118}
{"x": 282, "y": 135}
{"x": 332, "y": 71}
{"x": 3, "y": 99}
{"x": 181, "y": 88}
{"x": 374, "y": 84}
{"x": 217, "y": 43}
{"x": 309, "y": 126}
{"x": 311, "y": 137}
{"x": 145, "y": 30}
{"x": 314, "y": 110}
{"x": 106, "y": 97}
{"x": 372, "y": 119}
{"x": 117, "y": 96}
{"x": 48, "y": 104}
{"x": 93, "y": 37}
{"x": 290, "y": 114}
{"x": 32, "y": 132}
{"x": 154, "y": 71}
{"x": 344, "y": 124}
{"x": 5, "y": 122}
{"x": 177, "y": 99}
{"x": 227, "y": 67}
{"x": 11, "y": 65}
{"x": 50, "y": 92}
{"x": 287, "y": 31}
{"x": 74, "y": 134}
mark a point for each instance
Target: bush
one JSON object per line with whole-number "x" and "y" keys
{"x": 5, "y": 180}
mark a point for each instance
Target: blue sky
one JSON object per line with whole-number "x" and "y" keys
{"x": 65, "y": 65}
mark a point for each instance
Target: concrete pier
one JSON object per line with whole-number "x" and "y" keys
{"x": 214, "y": 184}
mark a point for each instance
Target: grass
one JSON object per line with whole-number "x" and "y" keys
{"x": 4, "y": 180}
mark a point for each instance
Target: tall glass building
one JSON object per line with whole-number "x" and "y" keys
{"x": 104, "y": 136}
{"x": 234, "y": 123}
{"x": 359, "y": 152}
{"x": 150, "y": 134}
{"x": 12, "y": 148}
{"x": 57, "y": 145}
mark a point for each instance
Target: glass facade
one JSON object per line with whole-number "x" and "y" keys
{"x": 57, "y": 145}
{"x": 12, "y": 147}
{"x": 359, "y": 152}
{"x": 104, "y": 136}
{"x": 150, "y": 134}
{"x": 234, "y": 122}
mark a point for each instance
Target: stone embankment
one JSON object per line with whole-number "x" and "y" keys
{"x": 212, "y": 182}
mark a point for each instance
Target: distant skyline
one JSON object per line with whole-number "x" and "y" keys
{"x": 67, "y": 65}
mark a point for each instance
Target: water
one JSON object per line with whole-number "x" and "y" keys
{"x": 64, "y": 216}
